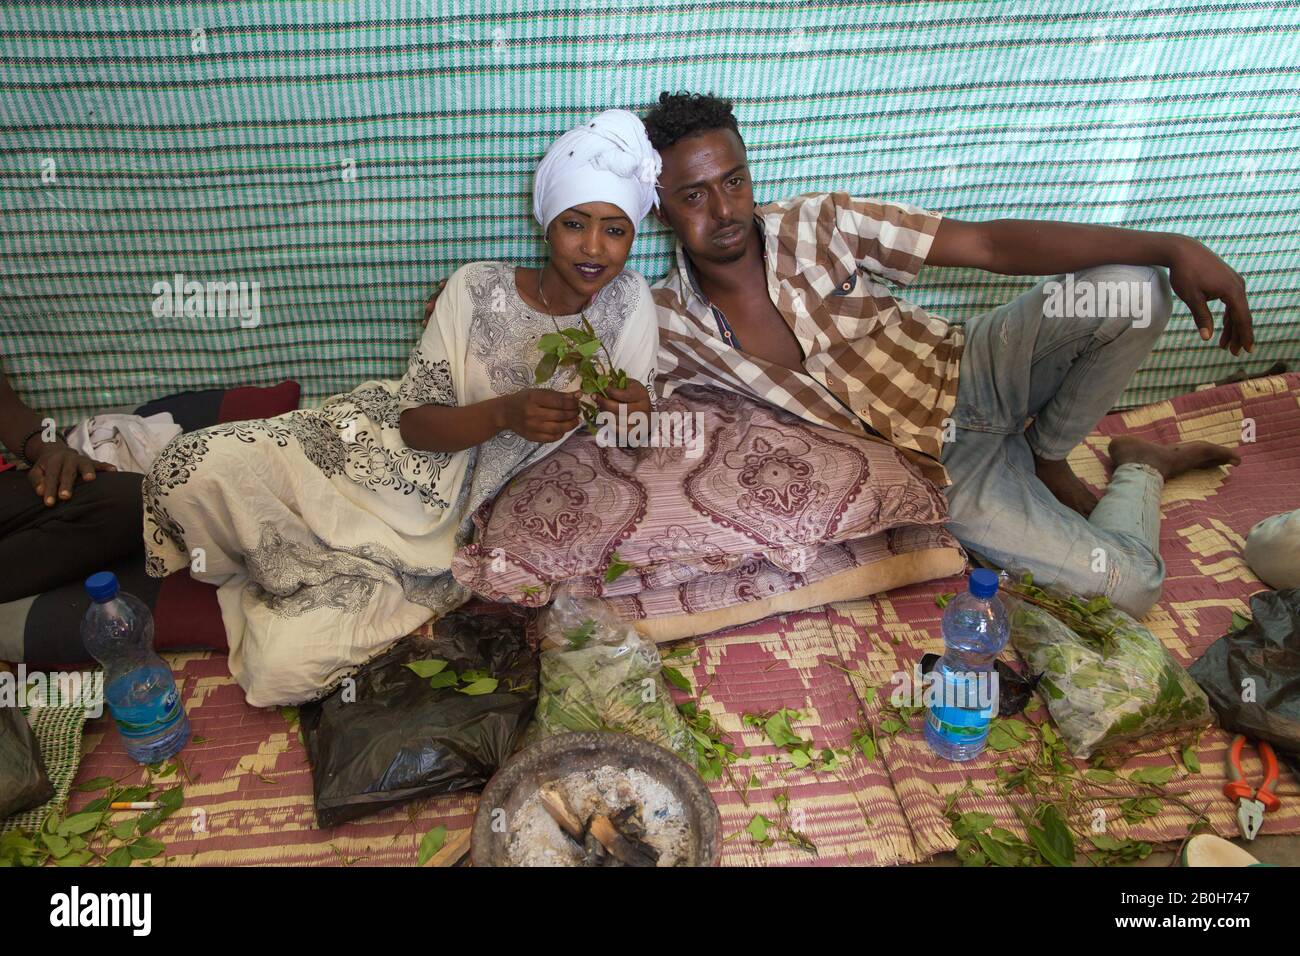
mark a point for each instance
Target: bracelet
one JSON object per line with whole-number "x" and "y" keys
{"x": 22, "y": 448}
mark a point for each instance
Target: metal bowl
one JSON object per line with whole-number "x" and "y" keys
{"x": 557, "y": 757}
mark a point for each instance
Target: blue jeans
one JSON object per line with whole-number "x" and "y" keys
{"x": 1027, "y": 360}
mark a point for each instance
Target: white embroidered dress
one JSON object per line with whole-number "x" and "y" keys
{"x": 328, "y": 536}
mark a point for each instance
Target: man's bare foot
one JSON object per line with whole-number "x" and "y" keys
{"x": 1171, "y": 460}
{"x": 1061, "y": 481}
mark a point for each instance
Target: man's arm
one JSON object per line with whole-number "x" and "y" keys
{"x": 1041, "y": 247}
{"x": 57, "y": 466}
{"x": 17, "y": 421}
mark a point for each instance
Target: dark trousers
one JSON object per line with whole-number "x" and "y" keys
{"x": 42, "y": 548}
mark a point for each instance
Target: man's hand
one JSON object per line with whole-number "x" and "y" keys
{"x": 1198, "y": 275}
{"x": 540, "y": 414}
{"x": 57, "y": 469}
{"x": 635, "y": 397}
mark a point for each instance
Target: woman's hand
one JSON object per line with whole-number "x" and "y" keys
{"x": 57, "y": 469}
{"x": 540, "y": 414}
{"x": 635, "y": 397}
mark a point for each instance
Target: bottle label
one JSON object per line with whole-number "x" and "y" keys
{"x": 958, "y": 715}
{"x": 150, "y": 718}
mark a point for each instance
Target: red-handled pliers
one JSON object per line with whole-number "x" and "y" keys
{"x": 1252, "y": 803}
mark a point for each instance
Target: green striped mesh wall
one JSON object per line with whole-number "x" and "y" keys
{"x": 345, "y": 155}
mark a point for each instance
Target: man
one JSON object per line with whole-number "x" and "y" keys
{"x": 786, "y": 301}
{"x": 52, "y": 529}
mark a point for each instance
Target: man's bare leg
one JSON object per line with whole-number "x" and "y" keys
{"x": 1062, "y": 482}
{"x": 1170, "y": 460}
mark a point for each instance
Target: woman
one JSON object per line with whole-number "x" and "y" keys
{"x": 330, "y": 531}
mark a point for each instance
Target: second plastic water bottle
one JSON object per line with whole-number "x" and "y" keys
{"x": 138, "y": 685}
{"x": 965, "y": 689}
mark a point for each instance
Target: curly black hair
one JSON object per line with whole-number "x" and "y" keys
{"x": 678, "y": 116}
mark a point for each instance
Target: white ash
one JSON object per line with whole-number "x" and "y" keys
{"x": 537, "y": 840}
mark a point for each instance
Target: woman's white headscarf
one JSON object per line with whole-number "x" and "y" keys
{"x": 607, "y": 159}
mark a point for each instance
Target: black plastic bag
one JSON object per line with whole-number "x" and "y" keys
{"x": 1265, "y": 653}
{"x": 23, "y": 781}
{"x": 394, "y": 737}
{"x": 1014, "y": 690}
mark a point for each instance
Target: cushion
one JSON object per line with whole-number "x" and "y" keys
{"x": 216, "y": 406}
{"x": 764, "y": 507}
{"x": 757, "y": 588}
{"x": 45, "y": 629}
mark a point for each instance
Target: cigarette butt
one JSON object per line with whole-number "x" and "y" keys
{"x": 136, "y": 805}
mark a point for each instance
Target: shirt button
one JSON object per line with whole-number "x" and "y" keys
{"x": 846, "y": 285}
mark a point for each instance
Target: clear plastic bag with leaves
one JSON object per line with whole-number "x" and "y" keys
{"x": 1107, "y": 679}
{"x": 598, "y": 673}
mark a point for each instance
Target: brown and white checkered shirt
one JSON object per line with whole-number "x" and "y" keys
{"x": 873, "y": 363}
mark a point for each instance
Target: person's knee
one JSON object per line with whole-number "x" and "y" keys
{"x": 1160, "y": 299}
{"x": 1137, "y": 582}
{"x": 111, "y": 504}
{"x": 1136, "y": 300}
{"x": 115, "y": 489}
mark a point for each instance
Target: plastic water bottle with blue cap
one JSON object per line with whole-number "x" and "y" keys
{"x": 138, "y": 685}
{"x": 962, "y": 699}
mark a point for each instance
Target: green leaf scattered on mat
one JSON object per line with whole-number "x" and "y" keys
{"x": 1100, "y": 776}
{"x": 431, "y": 844}
{"x": 1072, "y": 805}
{"x": 802, "y": 753}
{"x": 124, "y": 830}
{"x": 1052, "y": 837}
{"x": 1190, "y": 760}
{"x": 1157, "y": 776}
{"x": 170, "y": 801}
{"x": 144, "y": 848}
{"x": 765, "y": 832}
{"x": 892, "y": 719}
{"x": 1239, "y": 621}
{"x": 94, "y": 832}
{"x": 865, "y": 741}
{"x": 1008, "y": 734}
{"x": 80, "y": 823}
{"x": 713, "y": 751}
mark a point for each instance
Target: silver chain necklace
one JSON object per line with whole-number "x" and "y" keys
{"x": 541, "y": 292}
